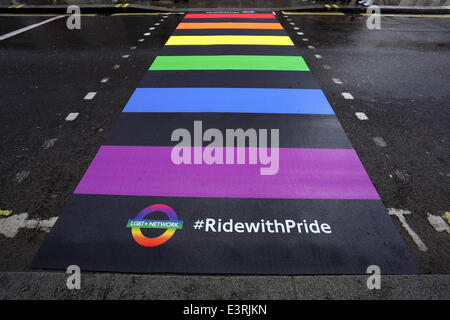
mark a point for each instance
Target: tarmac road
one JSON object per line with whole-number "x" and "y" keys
{"x": 398, "y": 77}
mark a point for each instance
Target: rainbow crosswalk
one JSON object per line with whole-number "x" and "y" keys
{"x": 228, "y": 71}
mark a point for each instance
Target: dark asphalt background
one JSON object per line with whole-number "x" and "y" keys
{"x": 399, "y": 76}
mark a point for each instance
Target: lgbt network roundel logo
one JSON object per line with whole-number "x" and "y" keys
{"x": 139, "y": 222}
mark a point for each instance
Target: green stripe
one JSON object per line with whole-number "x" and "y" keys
{"x": 239, "y": 62}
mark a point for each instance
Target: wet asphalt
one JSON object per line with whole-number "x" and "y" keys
{"x": 398, "y": 75}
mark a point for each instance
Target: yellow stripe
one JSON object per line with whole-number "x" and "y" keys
{"x": 10, "y": 7}
{"x": 238, "y": 40}
{"x": 118, "y": 5}
{"x": 126, "y": 5}
{"x": 336, "y": 6}
{"x": 328, "y": 6}
{"x": 20, "y": 6}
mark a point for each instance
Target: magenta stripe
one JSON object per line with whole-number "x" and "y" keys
{"x": 303, "y": 174}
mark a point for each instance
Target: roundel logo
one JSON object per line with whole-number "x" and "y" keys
{"x": 139, "y": 222}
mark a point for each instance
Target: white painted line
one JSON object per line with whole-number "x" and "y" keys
{"x": 19, "y": 31}
{"x": 133, "y": 48}
{"x": 325, "y": 66}
{"x": 125, "y": 56}
{"x": 152, "y": 28}
{"x": 22, "y": 175}
{"x": 116, "y": 66}
{"x": 300, "y": 33}
{"x": 437, "y": 222}
{"x": 296, "y": 28}
{"x": 90, "y": 96}
{"x": 141, "y": 40}
{"x": 104, "y": 80}
{"x": 379, "y": 141}
{"x": 318, "y": 56}
{"x": 49, "y": 143}
{"x": 311, "y": 47}
{"x": 147, "y": 34}
{"x": 399, "y": 213}
{"x": 156, "y": 24}
{"x": 305, "y": 39}
{"x": 347, "y": 95}
{"x": 337, "y": 80}
{"x": 72, "y": 116}
{"x": 9, "y": 227}
{"x": 361, "y": 116}
{"x": 292, "y": 24}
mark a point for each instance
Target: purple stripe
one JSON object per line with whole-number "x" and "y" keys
{"x": 303, "y": 174}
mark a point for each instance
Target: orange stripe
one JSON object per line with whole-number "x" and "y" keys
{"x": 229, "y": 25}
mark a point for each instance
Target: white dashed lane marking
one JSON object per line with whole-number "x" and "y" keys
{"x": 379, "y": 141}
{"x": 125, "y": 56}
{"x": 104, "y": 80}
{"x": 337, "y": 80}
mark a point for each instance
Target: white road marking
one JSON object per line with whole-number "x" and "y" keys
{"x": 133, "y": 48}
{"x": 90, "y": 95}
{"x": 311, "y": 47}
{"x": 300, "y": 33}
{"x": 400, "y": 214}
{"x": 104, "y": 80}
{"x": 156, "y": 24}
{"x": 9, "y": 227}
{"x": 72, "y": 116}
{"x": 292, "y": 24}
{"x": 325, "y": 66}
{"x": 337, "y": 80}
{"x": 318, "y": 56}
{"x": 141, "y": 40}
{"x": 49, "y": 143}
{"x": 347, "y": 95}
{"x": 22, "y": 175}
{"x": 125, "y": 56}
{"x": 361, "y": 116}
{"x": 296, "y": 28}
{"x": 147, "y": 34}
{"x": 379, "y": 141}
{"x": 437, "y": 222}
{"x": 305, "y": 39}
{"x": 116, "y": 66}
{"x": 152, "y": 28}
{"x": 19, "y": 31}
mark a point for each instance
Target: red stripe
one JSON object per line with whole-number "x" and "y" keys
{"x": 229, "y": 15}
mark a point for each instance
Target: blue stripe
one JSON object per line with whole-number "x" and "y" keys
{"x": 238, "y": 100}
